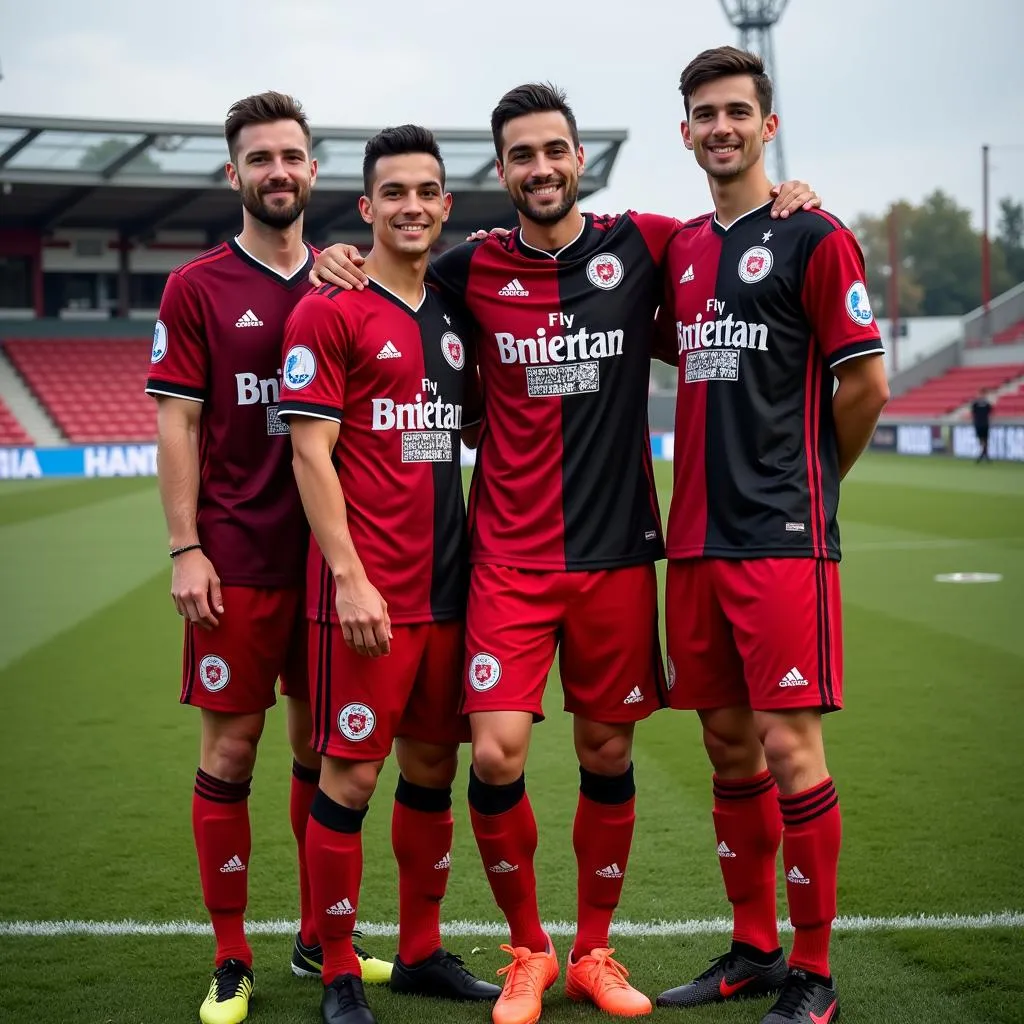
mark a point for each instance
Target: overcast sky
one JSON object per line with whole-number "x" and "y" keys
{"x": 879, "y": 99}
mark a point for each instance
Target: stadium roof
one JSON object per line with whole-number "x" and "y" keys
{"x": 141, "y": 176}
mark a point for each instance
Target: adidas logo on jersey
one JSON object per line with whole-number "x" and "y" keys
{"x": 503, "y": 867}
{"x": 388, "y": 351}
{"x": 687, "y": 275}
{"x": 514, "y": 288}
{"x": 724, "y": 851}
{"x": 797, "y": 877}
{"x": 235, "y": 864}
{"x": 248, "y": 319}
{"x": 612, "y": 871}
{"x": 793, "y": 678}
{"x": 341, "y": 908}
{"x": 635, "y": 696}
{"x": 444, "y": 863}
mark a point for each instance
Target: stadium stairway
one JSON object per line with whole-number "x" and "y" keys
{"x": 26, "y": 407}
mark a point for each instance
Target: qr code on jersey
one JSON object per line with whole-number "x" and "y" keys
{"x": 276, "y": 425}
{"x": 426, "y": 446}
{"x": 712, "y": 364}
{"x": 563, "y": 379}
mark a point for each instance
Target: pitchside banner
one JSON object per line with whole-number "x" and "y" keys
{"x": 140, "y": 460}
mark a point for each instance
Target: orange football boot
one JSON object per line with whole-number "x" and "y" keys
{"x": 599, "y": 979}
{"x": 526, "y": 980}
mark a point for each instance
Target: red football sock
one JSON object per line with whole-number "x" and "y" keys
{"x": 748, "y": 827}
{"x": 421, "y": 836}
{"x": 811, "y": 837}
{"x": 220, "y": 825}
{"x": 334, "y": 858}
{"x": 506, "y": 835}
{"x": 602, "y": 834}
{"x": 304, "y": 786}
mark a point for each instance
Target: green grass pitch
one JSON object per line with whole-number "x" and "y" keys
{"x": 98, "y": 759}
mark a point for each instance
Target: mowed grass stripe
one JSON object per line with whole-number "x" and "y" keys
{"x": 60, "y": 569}
{"x": 22, "y": 500}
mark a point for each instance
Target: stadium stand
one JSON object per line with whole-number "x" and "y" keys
{"x": 943, "y": 394}
{"x": 1011, "y": 404}
{"x": 1009, "y": 335}
{"x": 11, "y": 431}
{"x": 93, "y": 390}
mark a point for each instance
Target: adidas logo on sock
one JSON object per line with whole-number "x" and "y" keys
{"x": 635, "y": 696}
{"x": 388, "y": 351}
{"x": 797, "y": 877}
{"x": 724, "y": 851}
{"x": 687, "y": 275}
{"x": 503, "y": 867}
{"x": 341, "y": 907}
{"x": 248, "y": 319}
{"x": 793, "y": 678}
{"x": 612, "y": 871}
{"x": 514, "y": 288}
{"x": 235, "y": 864}
{"x": 444, "y": 863}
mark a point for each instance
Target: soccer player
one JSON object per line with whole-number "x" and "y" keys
{"x": 237, "y": 532}
{"x": 981, "y": 411}
{"x": 565, "y": 530}
{"x": 768, "y": 315}
{"x": 374, "y": 388}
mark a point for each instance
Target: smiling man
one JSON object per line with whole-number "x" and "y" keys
{"x": 375, "y": 390}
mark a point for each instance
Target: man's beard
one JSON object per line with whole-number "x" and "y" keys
{"x": 252, "y": 200}
{"x": 550, "y": 215}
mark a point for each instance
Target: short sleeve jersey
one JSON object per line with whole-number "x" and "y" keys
{"x": 763, "y": 311}
{"x": 564, "y": 477}
{"x": 395, "y": 379}
{"x": 218, "y": 341}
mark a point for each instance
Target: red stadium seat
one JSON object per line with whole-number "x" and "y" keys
{"x": 11, "y": 431}
{"x": 943, "y": 394}
{"x": 93, "y": 389}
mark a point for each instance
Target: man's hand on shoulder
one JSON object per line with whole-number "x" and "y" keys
{"x": 339, "y": 265}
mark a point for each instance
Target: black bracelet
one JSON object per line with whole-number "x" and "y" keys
{"x": 174, "y": 552}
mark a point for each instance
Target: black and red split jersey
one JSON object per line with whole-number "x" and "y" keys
{"x": 761, "y": 313}
{"x": 218, "y": 342}
{"x": 564, "y": 477}
{"x": 392, "y": 377}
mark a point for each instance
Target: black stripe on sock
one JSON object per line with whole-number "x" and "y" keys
{"x": 209, "y": 787}
{"x": 608, "y": 789}
{"x": 422, "y": 798}
{"x": 491, "y": 800}
{"x": 727, "y": 789}
{"x": 337, "y": 817}
{"x": 304, "y": 774}
{"x": 793, "y": 819}
{"x": 798, "y": 801}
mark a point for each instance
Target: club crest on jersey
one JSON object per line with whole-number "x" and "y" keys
{"x": 159, "y": 342}
{"x": 484, "y": 672}
{"x": 299, "y": 367}
{"x": 356, "y": 722}
{"x": 605, "y": 271}
{"x": 453, "y": 350}
{"x": 214, "y": 673}
{"x": 755, "y": 264}
{"x": 858, "y": 305}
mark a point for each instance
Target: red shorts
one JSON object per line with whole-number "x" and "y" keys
{"x": 361, "y": 704}
{"x": 261, "y": 637}
{"x": 604, "y": 624}
{"x": 762, "y": 632}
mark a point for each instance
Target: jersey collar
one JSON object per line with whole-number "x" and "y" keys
{"x": 299, "y": 274}
{"x": 566, "y": 252}
{"x": 721, "y": 229}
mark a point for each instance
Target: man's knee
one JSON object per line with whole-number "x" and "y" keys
{"x": 602, "y": 748}
{"x": 350, "y": 783}
{"x": 500, "y": 742}
{"x": 229, "y": 745}
{"x": 432, "y": 765}
{"x": 732, "y": 743}
{"x": 300, "y": 733}
{"x": 794, "y": 749}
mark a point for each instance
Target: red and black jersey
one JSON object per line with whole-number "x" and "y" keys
{"x": 397, "y": 380}
{"x": 761, "y": 312}
{"x": 218, "y": 342}
{"x": 564, "y": 477}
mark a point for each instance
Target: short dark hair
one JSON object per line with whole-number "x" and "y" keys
{"x": 533, "y": 98}
{"x": 263, "y": 108}
{"x": 722, "y": 62}
{"x": 406, "y": 138}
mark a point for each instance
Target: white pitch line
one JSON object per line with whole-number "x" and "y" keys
{"x": 714, "y": 926}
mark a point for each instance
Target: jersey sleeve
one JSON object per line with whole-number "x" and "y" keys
{"x": 317, "y": 342}
{"x": 836, "y": 299}
{"x": 657, "y": 232}
{"x": 179, "y": 360}
{"x": 449, "y": 272}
